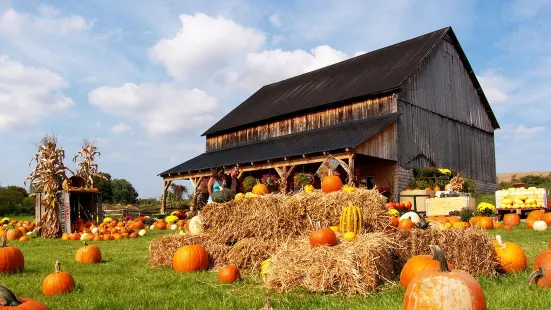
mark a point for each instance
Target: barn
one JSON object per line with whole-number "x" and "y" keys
{"x": 410, "y": 105}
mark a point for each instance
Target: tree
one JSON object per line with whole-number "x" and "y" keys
{"x": 178, "y": 191}
{"x": 104, "y": 186}
{"x": 123, "y": 191}
{"x": 11, "y": 199}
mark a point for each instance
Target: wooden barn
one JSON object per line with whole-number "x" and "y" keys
{"x": 413, "y": 104}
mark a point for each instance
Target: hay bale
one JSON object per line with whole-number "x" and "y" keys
{"x": 357, "y": 267}
{"x": 470, "y": 249}
{"x": 251, "y": 252}
{"x": 162, "y": 249}
{"x": 279, "y": 216}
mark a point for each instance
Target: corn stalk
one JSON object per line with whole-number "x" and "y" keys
{"x": 47, "y": 176}
{"x": 87, "y": 168}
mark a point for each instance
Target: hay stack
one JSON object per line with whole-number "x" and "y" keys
{"x": 162, "y": 249}
{"x": 356, "y": 267}
{"x": 251, "y": 252}
{"x": 279, "y": 216}
{"x": 470, "y": 249}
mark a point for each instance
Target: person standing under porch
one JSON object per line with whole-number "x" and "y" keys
{"x": 233, "y": 181}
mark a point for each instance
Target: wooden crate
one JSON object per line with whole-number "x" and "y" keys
{"x": 443, "y": 206}
{"x": 420, "y": 196}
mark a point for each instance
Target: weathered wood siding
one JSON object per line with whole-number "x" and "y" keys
{"x": 428, "y": 139}
{"x": 383, "y": 145}
{"x": 320, "y": 119}
{"x": 442, "y": 85}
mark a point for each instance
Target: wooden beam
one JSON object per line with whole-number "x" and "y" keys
{"x": 291, "y": 169}
{"x": 292, "y": 162}
{"x": 281, "y": 172}
{"x": 351, "y": 169}
{"x": 165, "y": 189}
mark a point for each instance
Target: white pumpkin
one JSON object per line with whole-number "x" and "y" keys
{"x": 95, "y": 230}
{"x": 142, "y": 233}
{"x": 30, "y": 233}
{"x": 195, "y": 225}
{"x": 414, "y": 217}
{"x": 539, "y": 225}
{"x": 173, "y": 227}
{"x": 152, "y": 226}
{"x": 84, "y": 237}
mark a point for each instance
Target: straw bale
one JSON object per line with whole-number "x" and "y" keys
{"x": 469, "y": 249}
{"x": 251, "y": 252}
{"x": 279, "y": 216}
{"x": 162, "y": 249}
{"x": 356, "y": 267}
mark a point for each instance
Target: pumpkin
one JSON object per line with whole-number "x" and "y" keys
{"x": 134, "y": 235}
{"x": 14, "y": 234}
{"x": 511, "y": 256}
{"x": 511, "y": 219}
{"x": 536, "y": 214}
{"x": 547, "y": 218}
{"x": 461, "y": 225}
{"x": 348, "y": 188}
{"x": 160, "y": 225}
{"x": 473, "y": 220}
{"x": 138, "y": 225}
{"x": 542, "y": 276}
{"x": 180, "y": 223}
{"x": 439, "y": 289}
{"x": 229, "y": 274}
{"x": 331, "y": 183}
{"x": 485, "y": 223}
{"x": 542, "y": 259}
{"x": 323, "y": 236}
{"x": 415, "y": 265}
{"x": 97, "y": 238}
{"x": 539, "y": 225}
{"x": 349, "y": 236}
{"x": 394, "y": 221}
{"x": 497, "y": 224}
{"x": 89, "y": 254}
{"x": 507, "y": 227}
{"x": 24, "y": 239}
{"x": 58, "y": 282}
{"x": 65, "y": 237}
{"x": 10, "y": 301}
{"x": 224, "y": 195}
{"x": 260, "y": 189}
{"x": 351, "y": 220}
{"x": 437, "y": 188}
{"x": 142, "y": 232}
{"x": 414, "y": 217}
{"x": 336, "y": 229}
{"x": 309, "y": 188}
{"x": 173, "y": 227}
{"x": 190, "y": 258}
{"x": 549, "y": 246}
{"x": 11, "y": 258}
{"x": 405, "y": 224}
{"x": 195, "y": 225}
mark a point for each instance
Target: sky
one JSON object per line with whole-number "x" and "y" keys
{"x": 144, "y": 79}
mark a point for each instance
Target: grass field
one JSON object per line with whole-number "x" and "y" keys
{"x": 124, "y": 280}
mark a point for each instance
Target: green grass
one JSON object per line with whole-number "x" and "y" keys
{"x": 124, "y": 280}
{"x": 19, "y": 217}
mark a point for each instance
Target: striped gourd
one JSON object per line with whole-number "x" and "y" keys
{"x": 351, "y": 220}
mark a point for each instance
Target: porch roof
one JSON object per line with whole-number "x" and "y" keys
{"x": 328, "y": 139}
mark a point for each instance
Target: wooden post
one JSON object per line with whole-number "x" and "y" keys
{"x": 351, "y": 169}
{"x": 163, "y": 202}
{"x": 195, "y": 182}
{"x": 284, "y": 173}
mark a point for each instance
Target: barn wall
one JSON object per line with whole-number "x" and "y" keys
{"x": 383, "y": 145}
{"x": 427, "y": 139}
{"x": 314, "y": 120}
{"x": 442, "y": 85}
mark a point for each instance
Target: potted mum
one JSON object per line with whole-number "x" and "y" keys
{"x": 271, "y": 181}
{"x": 302, "y": 179}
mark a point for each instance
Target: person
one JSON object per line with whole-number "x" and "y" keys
{"x": 233, "y": 181}
{"x": 202, "y": 193}
{"x": 215, "y": 183}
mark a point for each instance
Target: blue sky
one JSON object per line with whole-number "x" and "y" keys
{"x": 147, "y": 78}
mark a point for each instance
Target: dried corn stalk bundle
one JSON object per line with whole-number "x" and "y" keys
{"x": 87, "y": 168}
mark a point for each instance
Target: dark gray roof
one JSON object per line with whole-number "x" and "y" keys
{"x": 377, "y": 72}
{"x": 337, "y": 137}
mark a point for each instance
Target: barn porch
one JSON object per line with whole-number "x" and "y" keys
{"x": 301, "y": 151}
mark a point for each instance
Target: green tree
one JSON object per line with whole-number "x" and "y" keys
{"x": 104, "y": 186}
{"x": 123, "y": 191}
{"x": 11, "y": 198}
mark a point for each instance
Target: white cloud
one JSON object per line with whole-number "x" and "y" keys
{"x": 160, "y": 109}
{"x": 120, "y": 128}
{"x": 274, "y": 65}
{"x": 524, "y": 9}
{"x": 49, "y": 21}
{"x": 203, "y": 45}
{"x": 497, "y": 88}
{"x": 274, "y": 20}
{"x": 522, "y": 132}
{"x": 29, "y": 94}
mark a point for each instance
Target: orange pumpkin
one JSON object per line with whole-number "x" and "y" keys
{"x": 542, "y": 276}
{"x": 181, "y": 223}
{"x": 405, "y": 224}
{"x": 497, "y": 224}
{"x": 485, "y": 223}
{"x": 229, "y": 274}
{"x": 24, "y": 239}
{"x": 394, "y": 221}
{"x": 58, "y": 282}
{"x": 453, "y": 219}
{"x": 11, "y": 258}
{"x": 547, "y": 218}
{"x": 549, "y": 246}
{"x": 89, "y": 254}
{"x": 542, "y": 259}
{"x": 260, "y": 189}
{"x": 10, "y": 301}
{"x": 160, "y": 225}
{"x": 461, "y": 225}
{"x": 432, "y": 289}
{"x": 511, "y": 256}
{"x": 14, "y": 234}
{"x": 190, "y": 258}
{"x": 473, "y": 220}
{"x": 134, "y": 235}
{"x": 97, "y": 238}
{"x": 511, "y": 219}
{"x": 331, "y": 183}
{"x": 415, "y": 265}
{"x": 323, "y": 236}
{"x": 507, "y": 227}
{"x": 529, "y": 222}
{"x": 537, "y": 214}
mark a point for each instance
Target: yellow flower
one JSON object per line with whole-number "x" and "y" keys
{"x": 393, "y": 212}
{"x": 485, "y": 206}
{"x": 174, "y": 212}
{"x": 444, "y": 171}
{"x": 171, "y": 219}
{"x": 107, "y": 220}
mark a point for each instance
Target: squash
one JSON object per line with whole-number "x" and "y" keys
{"x": 351, "y": 220}
{"x": 309, "y": 188}
{"x": 58, "y": 282}
{"x": 511, "y": 256}
{"x": 10, "y": 301}
{"x": 414, "y": 217}
{"x": 239, "y": 196}
{"x": 196, "y": 225}
{"x": 539, "y": 225}
{"x": 349, "y": 236}
{"x": 224, "y": 195}
{"x": 190, "y": 258}
{"x": 405, "y": 224}
{"x": 11, "y": 258}
{"x": 323, "y": 236}
{"x": 442, "y": 288}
